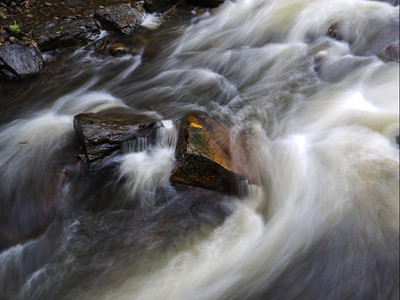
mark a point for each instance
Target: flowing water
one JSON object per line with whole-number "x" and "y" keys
{"x": 319, "y": 119}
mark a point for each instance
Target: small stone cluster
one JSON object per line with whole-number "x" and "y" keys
{"x": 64, "y": 27}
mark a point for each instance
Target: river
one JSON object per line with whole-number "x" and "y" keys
{"x": 319, "y": 117}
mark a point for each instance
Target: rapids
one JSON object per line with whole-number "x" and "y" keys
{"x": 319, "y": 118}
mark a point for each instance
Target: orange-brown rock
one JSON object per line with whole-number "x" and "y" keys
{"x": 204, "y": 156}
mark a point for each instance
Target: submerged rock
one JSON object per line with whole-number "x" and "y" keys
{"x": 204, "y": 156}
{"x": 391, "y": 53}
{"x": 122, "y": 18}
{"x": 52, "y": 36}
{"x": 18, "y": 61}
{"x": 102, "y": 134}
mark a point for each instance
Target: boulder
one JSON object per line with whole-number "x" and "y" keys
{"x": 204, "y": 156}
{"x": 19, "y": 61}
{"x": 122, "y": 18}
{"x": 158, "y": 5}
{"x": 103, "y": 135}
{"x": 73, "y": 33}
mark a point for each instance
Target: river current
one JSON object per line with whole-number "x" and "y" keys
{"x": 319, "y": 118}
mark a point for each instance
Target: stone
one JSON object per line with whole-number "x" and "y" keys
{"x": 204, "y": 157}
{"x": 19, "y": 61}
{"x": 159, "y": 6}
{"x": 390, "y": 54}
{"x": 74, "y": 33}
{"x": 122, "y": 18}
{"x": 102, "y": 135}
{"x": 118, "y": 49}
{"x": 335, "y": 33}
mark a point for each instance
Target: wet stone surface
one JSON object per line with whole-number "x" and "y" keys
{"x": 102, "y": 134}
{"x": 122, "y": 18}
{"x": 19, "y": 61}
{"x": 204, "y": 157}
{"x": 67, "y": 33}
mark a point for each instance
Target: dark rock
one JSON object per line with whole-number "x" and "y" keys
{"x": 18, "y": 61}
{"x": 335, "y": 33}
{"x": 204, "y": 156}
{"x": 52, "y": 36}
{"x": 207, "y": 3}
{"x": 158, "y": 5}
{"x": 13, "y": 2}
{"x": 122, "y": 18}
{"x": 102, "y": 134}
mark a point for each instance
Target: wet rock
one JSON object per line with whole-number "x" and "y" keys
{"x": 391, "y": 53}
{"x": 122, "y": 18}
{"x": 73, "y": 33}
{"x": 207, "y": 3}
{"x": 102, "y": 134}
{"x": 19, "y": 61}
{"x": 13, "y": 3}
{"x": 204, "y": 156}
{"x": 118, "y": 49}
{"x": 158, "y": 5}
{"x": 335, "y": 33}
{"x": 377, "y": 41}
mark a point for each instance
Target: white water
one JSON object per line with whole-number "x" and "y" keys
{"x": 319, "y": 119}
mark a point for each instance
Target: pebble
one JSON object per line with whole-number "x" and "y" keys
{"x": 48, "y": 4}
{"x": 12, "y": 4}
{"x": 12, "y": 39}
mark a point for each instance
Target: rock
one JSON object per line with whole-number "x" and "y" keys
{"x": 391, "y": 53}
{"x": 102, "y": 134}
{"x": 13, "y": 3}
{"x": 377, "y": 41}
{"x": 52, "y": 36}
{"x": 122, "y": 18}
{"x": 158, "y": 5}
{"x": 207, "y": 3}
{"x": 19, "y": 61}
{"x": 204, "y": 156}
{"x": 118, "y": 49}
{"x": 335, "y": 33}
